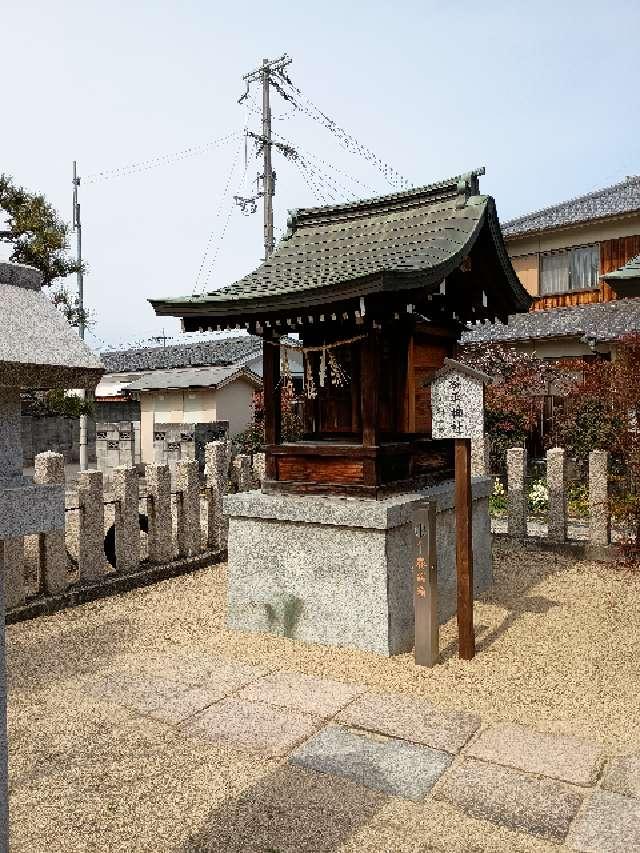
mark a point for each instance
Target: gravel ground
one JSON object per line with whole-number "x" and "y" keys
{"x": 557, "y": 649}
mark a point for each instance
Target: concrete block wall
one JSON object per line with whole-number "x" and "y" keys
{"x": 117, "y": 443}
{"x": 173, "y": 442}
{"x": 55, "y": 434}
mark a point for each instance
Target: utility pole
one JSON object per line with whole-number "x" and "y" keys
{"x": 268, "y": 177}
{"x": 268, "y": 182}
{"x": 77, "y": 227}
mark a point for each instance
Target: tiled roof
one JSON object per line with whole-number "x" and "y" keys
{"x": 404, "y": 240}
{"x": 220, "y": 352}
{"x": 603, "y": 321}
{"x": 630, "y": 270}
{"x": 616, "y": 200}
{"x": 192, "y": 377}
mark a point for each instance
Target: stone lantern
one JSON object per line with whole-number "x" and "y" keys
{"x": 37, "y": 350}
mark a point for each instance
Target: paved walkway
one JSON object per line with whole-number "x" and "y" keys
{"x": 558, "y": 788}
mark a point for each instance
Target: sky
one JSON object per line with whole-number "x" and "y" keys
{"x": 545, "y": 95}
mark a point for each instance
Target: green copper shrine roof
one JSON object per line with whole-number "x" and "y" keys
{"x": 396, "y": 242}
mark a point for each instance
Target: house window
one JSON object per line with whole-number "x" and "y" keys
{"x": 571, "y": 270}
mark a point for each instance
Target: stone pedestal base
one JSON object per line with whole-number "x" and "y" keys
{"x": 338, "y": 570}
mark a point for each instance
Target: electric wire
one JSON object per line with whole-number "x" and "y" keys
{"x": 303, "y": 103}
{"x": 215, "y": 237}
{"x": 161, "y": 160}
{"x": 324, "y": 163}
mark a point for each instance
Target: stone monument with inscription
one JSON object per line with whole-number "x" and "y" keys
{"x": 457, "y": 401}
{"x": 37, "y": 350}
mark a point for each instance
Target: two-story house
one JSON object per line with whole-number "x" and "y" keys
{"x": 580, "y": 261}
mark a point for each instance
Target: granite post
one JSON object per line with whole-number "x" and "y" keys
{"x": 557, "y": 487}
{"x": 188, "y": 489}
{"x": 91, "y": 526}
{"x": 159, "y": 513}
{"x": 14, "y": 586}
{"x": 599, "y": 512}
{"x": 259, "y": 465}
{"x": 216, "y": 467}
{"x": 4, "y": 739}
{"x": 517, "y": 492}
{"x": 127, "y": 496}
{"x": 49, "y": 470}
{"x": 243, "y": 472}
{"x": 480, "y": 456}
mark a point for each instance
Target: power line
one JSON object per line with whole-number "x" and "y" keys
{"x": 300, "y": 101}
{"x": 324, "y": 163}
{"x": 161, "y": 160}
{"x": 213, "y": 239}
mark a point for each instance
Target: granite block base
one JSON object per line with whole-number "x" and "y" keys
{"x": 338, "y": 570}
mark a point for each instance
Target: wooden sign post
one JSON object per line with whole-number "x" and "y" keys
{"x": 425, "y": 590}
{"x": 457, "y": 395}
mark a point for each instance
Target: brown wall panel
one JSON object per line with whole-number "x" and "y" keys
{"x": 318, "y": 470}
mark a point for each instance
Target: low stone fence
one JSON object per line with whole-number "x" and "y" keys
{"x": 143, "y": 523}
{"x": 594, "y": 530}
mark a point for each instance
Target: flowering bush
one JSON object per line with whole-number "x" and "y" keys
{"x": 498, "y": 498}
{"x": 539, "y": 497}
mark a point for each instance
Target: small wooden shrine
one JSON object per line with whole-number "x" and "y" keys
{"x": 378, "y": 292}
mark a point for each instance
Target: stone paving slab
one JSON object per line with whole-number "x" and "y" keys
{"x": 163, "y": 699}
{"x": 173, "y": 687}
{"x": 609, "y": 823}
{"x": 318, "y": 696}
{"x": 411, "y": 719}
{"x": 622, "y": 775}
{"x": 204, "y": 670}
{"x": 511, "y": 798}
{"x": 391, "y": 766}
{"x": 569, "y": 759}
{"x": 254, "y": 726}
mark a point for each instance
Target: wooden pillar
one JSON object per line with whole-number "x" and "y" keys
{"x": 464, "y": 549}
{"x": 370, "y": 364}
{"x": 272, "y": 409}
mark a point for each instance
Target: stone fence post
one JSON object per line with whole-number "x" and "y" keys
{"x": 216, "y": 455}
{"x": 127, "y": 497}
{"x": 188, "y": 502}
{"x": 599, "y": 514}
{"x": 480, "y": 456}
{"x": 91, "y": 526}
{"x": 243, "y": 472}
{"x": 159, "y": 513}
{"x": 517, "y": 492}
{"x": 557, "y": 487}
{"x": 53, "y": 576}
{"x": 13, "y": 559}
{"x": 259, "y": 465}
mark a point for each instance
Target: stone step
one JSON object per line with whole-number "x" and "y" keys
{"x": 253, "y": 726}
{"x": 622, "y": 775}
{"x": 511, "y": 798}
{"x": 391, "y": 766}
{"x": 319, "y": 696}
{"x": 569, "y": 759}
{"x": 412, "y": 719}
{"x": 609, "y": 823}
